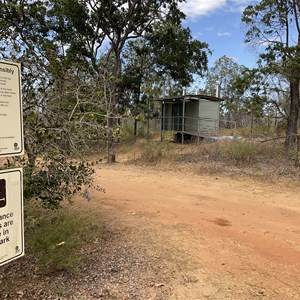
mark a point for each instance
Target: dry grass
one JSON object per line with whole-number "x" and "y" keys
{"x": 239, "y": 157}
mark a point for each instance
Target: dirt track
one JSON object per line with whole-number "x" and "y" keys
{"x": 224, "y": 238}
{"x": 167, "y": 234}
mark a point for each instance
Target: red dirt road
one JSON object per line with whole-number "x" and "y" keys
{"x": 242, "y": 236}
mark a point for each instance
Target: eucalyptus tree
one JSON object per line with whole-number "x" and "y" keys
{"x": 51, "y": 85}
{"x": 102, "y": 28}
{"x": 71, "y": 54}
{"x": 168, "y": 52}
{"x": 105, "y": 26}
{"x": 251, "y": 86}
{"x": 87, "y": 33}
{"x": 224, "y": 73}
{"x": 176, "y": 54}
{"x": 243, "y": 91}
{"x": 273, "y": 26}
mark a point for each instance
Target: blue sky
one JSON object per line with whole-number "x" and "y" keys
{"x": 218, "y": 22}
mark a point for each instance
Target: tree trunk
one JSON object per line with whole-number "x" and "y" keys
{"x": 113, "y": 107}
{"x": 109, "y": 141}
{"x": 148, "y": 129}
{"x": 135, "y": 127}
{"x": 117, "y": 75}
{"x": 30, "y": 155}
{"x": 292, "y": 122}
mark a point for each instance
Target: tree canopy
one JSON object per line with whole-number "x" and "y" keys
{"x": 273, "y": 26}
{"x": 76, "y": 75}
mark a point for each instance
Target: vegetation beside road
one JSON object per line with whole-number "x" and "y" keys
{"x": 250, "y": 157}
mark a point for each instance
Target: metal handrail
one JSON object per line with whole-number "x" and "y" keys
{"x": 175, "y": 123}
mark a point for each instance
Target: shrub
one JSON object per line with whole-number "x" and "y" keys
{"x": 240, "y": 152}
{"x": 57, "y": 236}
{"x": 53, "y": 178}
{"x": 153, "y": 152}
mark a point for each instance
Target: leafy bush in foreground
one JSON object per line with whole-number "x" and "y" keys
{"x": 56, "y": 237}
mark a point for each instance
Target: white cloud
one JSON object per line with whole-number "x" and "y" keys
{"x": 239, "y": 5}
{"x": 223, "y": 34}
{"x": 197, "y": 8}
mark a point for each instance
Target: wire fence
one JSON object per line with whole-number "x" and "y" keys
{"x": 170, "y": 126}
{"x": 177, "y": 128}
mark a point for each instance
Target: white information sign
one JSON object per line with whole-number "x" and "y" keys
{"x": 11, "y": 120}
{"x": 11, "y": 215}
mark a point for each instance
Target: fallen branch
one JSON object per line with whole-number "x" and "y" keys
{"x": 273, "y": 139}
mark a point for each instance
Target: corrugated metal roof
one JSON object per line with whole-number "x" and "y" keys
{"x": 180, "y": 98}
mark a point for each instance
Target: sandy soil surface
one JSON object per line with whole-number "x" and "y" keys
{"x": 216, "y": 237}
{"x": 168, "y": 234}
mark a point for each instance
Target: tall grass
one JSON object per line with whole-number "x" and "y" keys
{"x": 239, "y": 152}
{"x": 56, "y": 237}
{"x": 154, "y": 152}
{"x": 239, "y": 156}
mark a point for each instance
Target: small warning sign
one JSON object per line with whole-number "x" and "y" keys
{"x": 11, "y": 120}
{"x": 11, "y": 215}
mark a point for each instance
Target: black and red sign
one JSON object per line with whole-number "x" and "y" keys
{"x": 2, "y": 193}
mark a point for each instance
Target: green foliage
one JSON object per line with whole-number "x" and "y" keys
{"x": 239, "y": 152}
{"x": 86, "y": 25}
{"x": 242, "y": 90}
{"x": 163, "y": 55}
{"x": 71, "y": 78}
{"x": 61, "y": 104}
{"x": 53, "y": 178}
{"x": 56, "y": 180}
{"x": 226, "y": 71}
{"x": 176, "y": 54}
{"x": 57, "y": 237}
{"x": 141, "y": 132}
{"x": 127, "y": 132}
{"x": 273, "y": 26}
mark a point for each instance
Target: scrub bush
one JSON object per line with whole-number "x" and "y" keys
{"x": 56, "y": 237}
{"x": 240, "y": 152}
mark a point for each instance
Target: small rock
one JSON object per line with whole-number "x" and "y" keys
{"x": 20, "y": 294}
{"x": 160, "y": 284}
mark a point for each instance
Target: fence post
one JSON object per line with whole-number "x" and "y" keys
{"x": 183, "y": 121}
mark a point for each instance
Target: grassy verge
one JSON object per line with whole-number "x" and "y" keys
{"x": 241, "y": 156}
{"x": 56, "y": 237}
